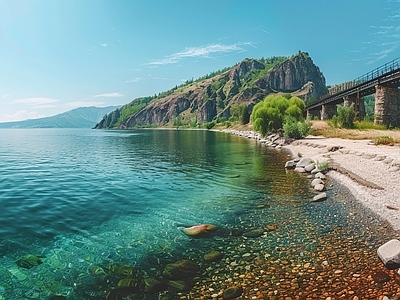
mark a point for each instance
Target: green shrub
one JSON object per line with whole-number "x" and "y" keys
{"x": 210, "y": 125}
{"x": 293, "y": 128}
{"x": 269, "y": 114}
{"x": 323, "y": 165}
{"x": 346, "y": 115}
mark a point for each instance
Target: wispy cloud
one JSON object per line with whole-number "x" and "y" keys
{"x": 133, "y": 80}
{"x": 22, "y": 115}
{"x": 35, "y": 101}
{"x": 386, "y": 36}
{"x": 202, "y": 51}
{"x": 109, "y": 95}
{"x": 104, "y": 45}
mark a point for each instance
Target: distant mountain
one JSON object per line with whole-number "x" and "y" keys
{"x": 82, "y": 117}
{"x": 215, "y": 95}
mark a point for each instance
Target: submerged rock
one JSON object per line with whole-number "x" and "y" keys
{"x": 232, "y": 292}
{"x": 199, "y": 230}
{"x": 254, "y": 233}
{"x": 181, "y": 285}
{"x": 154, "y": 286}
{"x": 213, "y": 256}
{"x": 181, "y": 270}
{"x": 28, "y": 261}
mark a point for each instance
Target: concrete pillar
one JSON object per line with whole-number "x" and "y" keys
{"x": 328, "y": 111}
{"x": 387, "y": 107}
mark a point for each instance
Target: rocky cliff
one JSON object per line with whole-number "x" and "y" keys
{"x": 248, "y": 82}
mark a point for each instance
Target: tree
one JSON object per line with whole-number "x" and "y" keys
{"x": 270, "y": 113}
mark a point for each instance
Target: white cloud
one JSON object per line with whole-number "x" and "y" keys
{"x": 133, "y": 80}
{"x": 109, "y": 95}
{"x": 104, "y": 45}
{"x": 22, "y": 115}
{"x": 35, "y": 101}
{"x": 84, "y": 103}
{"x": 202, "y": 51}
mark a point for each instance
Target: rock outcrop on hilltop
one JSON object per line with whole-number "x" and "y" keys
{"x": 248, "y": 82}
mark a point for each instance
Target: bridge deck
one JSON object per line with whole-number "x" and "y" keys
{"x": 387, "y": 75}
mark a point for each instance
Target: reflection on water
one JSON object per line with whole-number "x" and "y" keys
{"x": 103, "y": 212}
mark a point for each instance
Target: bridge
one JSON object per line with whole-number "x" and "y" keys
{"x": 384, "y": 82}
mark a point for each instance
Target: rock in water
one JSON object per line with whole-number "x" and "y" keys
{"x": 213, "y": 256}
{"x": 232, "y": 292}
{"x": 389, "y": 253}
{"x": 28, "y": 261}
{"x": 182, "y": 269}
{"x": 254, "y": 233}
{"x": 319, "y": 197}
{"x": 199, "y": 230}
{"x": 154, "y": 286}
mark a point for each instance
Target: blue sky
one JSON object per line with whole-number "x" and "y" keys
{"x": 59, "y": 55}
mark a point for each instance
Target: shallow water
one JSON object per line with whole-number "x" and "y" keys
{"x": 85, "y": 198}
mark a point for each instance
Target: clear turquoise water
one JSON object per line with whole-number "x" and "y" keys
{"x": 83, "y": 198}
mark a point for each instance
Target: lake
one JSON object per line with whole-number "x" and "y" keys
{"x": 92, "y": 214}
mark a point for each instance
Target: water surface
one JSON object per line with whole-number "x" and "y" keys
{"x": 85, "y": 198}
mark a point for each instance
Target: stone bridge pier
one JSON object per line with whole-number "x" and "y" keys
{"x": 359, "y": 105}
{"x": 387, "y": 106}
{"x": 313, "y": 114}
{"x": 328, "y": 111}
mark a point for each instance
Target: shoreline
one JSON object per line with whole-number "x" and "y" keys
{"x": 371, "y": 173}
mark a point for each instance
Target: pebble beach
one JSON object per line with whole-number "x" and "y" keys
{"x": 364, "y": 182}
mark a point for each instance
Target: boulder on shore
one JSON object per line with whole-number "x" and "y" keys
{"x": 319, "y": 197}
{"x": 389, "y": 253}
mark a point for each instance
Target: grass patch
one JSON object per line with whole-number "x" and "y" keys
{"x": 384, "y": 140}
{"x": 322, "y": 128}
{"x": 363, "y": 125}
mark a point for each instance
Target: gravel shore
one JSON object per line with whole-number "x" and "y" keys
{"x": 379, "y": 165}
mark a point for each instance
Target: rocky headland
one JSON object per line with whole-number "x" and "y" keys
{"x": 246, "y": 83}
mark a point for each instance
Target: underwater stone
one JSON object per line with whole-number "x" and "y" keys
{"x": 181, "y": 285}
{"x": 199, "y": 230}
{"x": 254, "y": 233}
{"x": 213, "y": 256}
{"x": 154, "y": 286}
{"x": 28, "y": 261}
{"x": 389, "y": 253}
{"x": 181, "y": 269}
{"x": 232, "y": 292}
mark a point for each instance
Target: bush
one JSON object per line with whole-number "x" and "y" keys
{"x": 293, "y": 128}
{"x": 269, "y": 115}
{"x": 210, "y": 125}
{"x": 346, "y": 115}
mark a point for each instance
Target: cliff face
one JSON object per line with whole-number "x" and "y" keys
{"x": 247, "y": 83}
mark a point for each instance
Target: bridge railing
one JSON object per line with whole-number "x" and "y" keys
{"x": 370, "y": 76}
